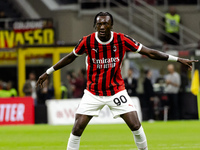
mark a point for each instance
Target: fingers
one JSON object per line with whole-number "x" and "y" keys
{"x": 41, "y": 79}
{"x": 194, "y": 60}
{"x": 39, "y": 83}
{"x": 189, "y": 68}
{"x": 189, "y": 64}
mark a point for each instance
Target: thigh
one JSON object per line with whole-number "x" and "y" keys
{"x": 131, "y": 119}
{"x": 80, "y": 124}
{"x": 90, "y": 104}
{"x": 121, "y": 103}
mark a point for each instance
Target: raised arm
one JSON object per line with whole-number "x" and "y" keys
{"x": 63, "y": 62}
{"x": 155, "y": 54}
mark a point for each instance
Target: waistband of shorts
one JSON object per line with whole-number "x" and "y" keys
{"x": 102, "y": 96}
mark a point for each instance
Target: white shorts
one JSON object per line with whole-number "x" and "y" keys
{"x": 91, "y": 105}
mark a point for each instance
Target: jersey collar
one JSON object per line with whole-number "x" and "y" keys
{"x": 104, "y": 43}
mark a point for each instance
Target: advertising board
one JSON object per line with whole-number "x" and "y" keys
{"x": 16, "y": 110}
{"x": 62, "y": 112}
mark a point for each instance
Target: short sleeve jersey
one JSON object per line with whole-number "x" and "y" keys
{"x": 103, "y": 61}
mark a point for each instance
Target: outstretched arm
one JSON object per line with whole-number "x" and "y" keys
{"x": 154, "y": 54}
{"x": 63, "y": 62}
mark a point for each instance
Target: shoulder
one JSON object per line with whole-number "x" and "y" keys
{"x": 178, "y": 16}
{"x": 167, "y": 14}
{"x": 89, "y": 35}
{"x": 118, "y": 34}
{"x": 84, "y": 38}
{"x": 176, "y": 74}
{"x": 121, "y": 36}
{"x": 28, "y": 82}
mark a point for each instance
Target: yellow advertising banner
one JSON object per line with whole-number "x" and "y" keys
{"x": 10, "y": 58}
{"x": 12, "y": 38}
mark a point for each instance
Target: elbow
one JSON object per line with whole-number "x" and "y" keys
{"x": 151, "y": 55}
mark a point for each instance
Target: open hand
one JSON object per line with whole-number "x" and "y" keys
{"x": 187, "y": 62}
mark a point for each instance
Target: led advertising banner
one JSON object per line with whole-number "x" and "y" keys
{"x": 28, "y": 32}
{"x": 16, "y": 110}
{"x": 62, "y": 112}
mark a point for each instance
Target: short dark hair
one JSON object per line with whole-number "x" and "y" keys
{"x": 103, "y": 14}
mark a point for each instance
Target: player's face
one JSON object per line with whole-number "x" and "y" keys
{"x": 103, "y": 27}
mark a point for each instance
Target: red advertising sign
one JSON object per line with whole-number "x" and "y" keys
{"x": 16, "y": 110}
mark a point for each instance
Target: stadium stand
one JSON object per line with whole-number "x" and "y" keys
{"x": 9, "y": 9}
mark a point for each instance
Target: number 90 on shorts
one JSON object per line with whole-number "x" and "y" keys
{"x": 120, "y": 100}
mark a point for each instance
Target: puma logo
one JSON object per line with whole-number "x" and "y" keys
{"x": 130, "y": 105}
{"x": 95, "y": 50}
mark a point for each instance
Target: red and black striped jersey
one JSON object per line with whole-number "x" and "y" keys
{"x": 103, "y": 61}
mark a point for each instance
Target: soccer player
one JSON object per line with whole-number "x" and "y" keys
{"x": 105, "y": 50}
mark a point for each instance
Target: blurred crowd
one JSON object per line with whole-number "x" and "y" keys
{"x": 7, "y": 89}
{"x": 72, "y": 87}
{"x": 76, "y": 83}
{"x": 159, "y": 94}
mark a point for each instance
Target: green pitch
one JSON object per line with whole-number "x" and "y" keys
{"x": 173, "y": 135}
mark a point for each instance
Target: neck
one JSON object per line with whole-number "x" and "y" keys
{"x": 106, "y": 38}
